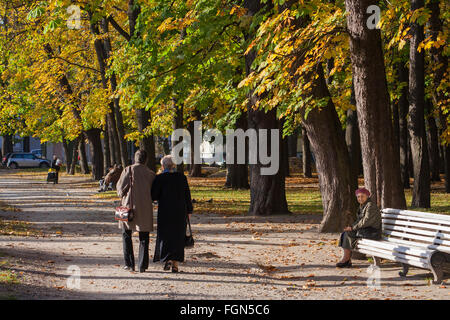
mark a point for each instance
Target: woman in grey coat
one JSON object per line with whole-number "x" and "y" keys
{"x": 367, "y": 225}
{"x": 140, "y": 197}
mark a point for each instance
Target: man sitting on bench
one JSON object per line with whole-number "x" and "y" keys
{"x": 367, "y": 225}
{"x": 110, "y": 180}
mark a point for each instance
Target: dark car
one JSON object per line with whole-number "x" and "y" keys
{"x": 26, "y": 160}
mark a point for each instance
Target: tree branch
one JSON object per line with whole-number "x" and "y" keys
{"x": 119, "y": 29}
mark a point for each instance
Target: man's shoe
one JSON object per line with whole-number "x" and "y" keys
{"x": 141, "y": 270}
{"x": 129, "y": 268}
{"x": 346, "y": 264}
{"x": 167, "y": 265}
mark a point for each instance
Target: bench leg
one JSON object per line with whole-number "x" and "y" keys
{"x": 437, "y": 261}
{"x": 405, "y": 270}
{"x": 376, "y": 261}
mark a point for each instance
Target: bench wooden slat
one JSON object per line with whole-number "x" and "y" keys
{"x": 411, "y": 218}
{"x": 395, "y": 254}
{"x": 422, "y": 252}
{"x": 416, "y": 231}
{"x": 396, "y": 259}
{"x": 417, "y": 237}
{"x": 417, "y": 244}
{"x": 421, "y": 214}
{"x": 444, "y": 229}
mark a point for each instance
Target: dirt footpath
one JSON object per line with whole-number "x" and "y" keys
{"x": 234, "y": 257}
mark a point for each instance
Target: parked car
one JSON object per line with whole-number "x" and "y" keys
{"x": 37, "y": 152}
{"x": 26, "y": 160}
{"x": 5, "y": 159}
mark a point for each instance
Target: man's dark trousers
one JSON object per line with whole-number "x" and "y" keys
{"x": 128, "y": 249}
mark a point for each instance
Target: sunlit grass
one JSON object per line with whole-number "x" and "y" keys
{"x": 302, "y": 194}
{"x": 17, "y": 228}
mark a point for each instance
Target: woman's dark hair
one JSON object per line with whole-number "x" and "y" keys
{"x": 140, "y": 156}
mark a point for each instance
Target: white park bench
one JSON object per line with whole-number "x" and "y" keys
{"x": 412, "y": 238}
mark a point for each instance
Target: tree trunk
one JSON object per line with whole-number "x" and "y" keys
{"x": 107, "y": 49}
{"x": 292, "y": 144}
{"x": 146, "y": 143}
{"x": 83, "y": 159}
{"x": 433, "y": 145}
{"x": 327, "y": 139}
{"x": 68, "y": 155}
{"x": 7, "y": 144}
{"x": 178, "y": 124}
{"x": 380, "y": 158}
{"x": 26, "y": 144}
{"x": 237, "y": 174}
{"x": 102, "y": 50}
{"x": 74, "y": 156}
{"x": 106, "y": 148}
{"x": 195, "y": 169}
{"x": 416, "y": 122}
{"x": 284, "y": 154}
{"x": 113, "y": 138}
{"x": 353, "y": 142}
{"x": 306, "y": 155}
{"x": 267, "y": 192}
{"x": 439, "y": 60}
{"x": 403, "y": 105}
{"x": 94, "y": 138}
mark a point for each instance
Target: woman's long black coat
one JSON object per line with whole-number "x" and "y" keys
{"x": 171, "y": 190}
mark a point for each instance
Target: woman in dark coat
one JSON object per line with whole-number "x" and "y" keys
{"x": 367, "y": 225}
{"x": 171, "y": 190}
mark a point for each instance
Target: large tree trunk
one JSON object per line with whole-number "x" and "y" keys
{"x": 416, "y": 121}
{"x": 195, "y": 169}
{"x": 285, "y": 155}
{"x": 94, "y": 138}
{"x": 114, "y": 148}
{"x": 292, "y": 144}
{"x": 267, "y": 192}
{"x": 332, "y": 161}
{"x": 107, "y": 49}
{"x": 106, "y": 148}
{"x": 380, "y": 158}
{"x": 7, "y": 144}
{"x": 68, "y": 154}
{"x": 439, "y": 95}
{"x": 433, "y": 145}
{"x": 306, "y": 155}
{"x": 83, "y": 159}
{"x": 102, "y": 50}
{"x": 146, "y": 143}
{"x": 403, "y": 105}
{"x": 74, "y": 156}
{"x": 237, "y": 174}
{"x": 353, "y": 142}
{"x": 178, "y": 124}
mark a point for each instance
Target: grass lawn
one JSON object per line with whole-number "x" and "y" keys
{"x": 302, "y": 194}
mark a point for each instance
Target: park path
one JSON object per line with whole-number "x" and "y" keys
{"x": 235, "y": 257}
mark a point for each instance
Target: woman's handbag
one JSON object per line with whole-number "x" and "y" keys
{"x": 189, "y": 239}
{"x": 124, "y": 213}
